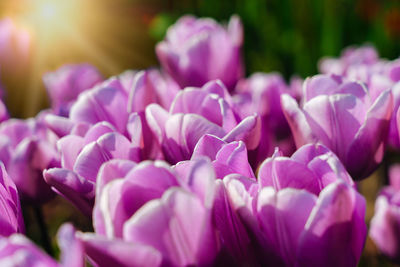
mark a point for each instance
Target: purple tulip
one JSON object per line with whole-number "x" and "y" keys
{"x": 329, "y": 227}
{"x": 151, "y": 86}
{"x": 105, "y": 102}
{"x": 120, "y": 101}
{"x": 17, "y": 250}
{"x": 342, "y": 116}
{"x": 65, "y": 84}
{"x": 196, "y": 112}
{"x": 226, "y": 157}
{"x": 385, "y": 225}
{"x": 11, "y": 220}
{"x": 153, "y": 222}
{"x": 394, "y": 133}
{"x": 351, "y": 56}
{"x": 81, "y": 159}
{"x": 128, "y": 187}
{"x": 312, "y": 167}
{"x": 28, "y": 147}
{"x": 196, "y": 51}
{"x": 363, "y": 64}
{"x": 261, "y": 94}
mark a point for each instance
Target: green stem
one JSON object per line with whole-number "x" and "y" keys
{"x": 45, "y": 239}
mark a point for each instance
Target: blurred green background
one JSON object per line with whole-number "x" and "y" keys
{"x": 290, "y": 36}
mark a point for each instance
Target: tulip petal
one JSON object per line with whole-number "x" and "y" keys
{"x": 301, "y": 130}
{"x": 335, "y": 232}
{"x": 367, "y": 149}
{"x": 178, "y": 226}
{"x": 105, "y": 252}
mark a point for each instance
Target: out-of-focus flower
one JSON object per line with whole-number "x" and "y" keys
{"x": 363, "y": 64}
{"x": 18, "y": 250}
{"x": 105, "y": 102}
{"x": 350, "y": 57}
{"x": 120, "y": 101}
{"x": 15, "y": 44}
{"x": 174, "y": 230}
{"x": 27, "y": 148}
{"x": 385, "y": 225}
{"x": 196, "y": 112}
{"x": 329, "y": 229}
{"x": 3, "y": 110}
{"x": 261, "y": 94}
{"x": 196, "y": 51}
{"x": 11, "y": 219}
{"x": 65, "y": 84}
{"x": 342, "y": 116}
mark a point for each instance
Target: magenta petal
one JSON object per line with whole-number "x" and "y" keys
{"x": 320, "y": 85}
{"x": 70, "y": 147}
{"x": 208, "y": 145}
{"x": 121, "y": 198}
{"x": 301, "y": 130}
{"x": 384, "y": 227}
{"x": 30, "y": 158}
{"x": 227, "y": 158}
{"x": 111, "y": 170}
{"x": 101, "y": 104}
{"x": 367, "y": 149}
{"x": 280, "y": 233}
{"x": 11, "y": 219}
{"x": 323, "y": 162}
{"x": 156, "y": 117}
{"x": 182, "y": 133}
{"x": 232, "y": 232}
{"x": 97, "y": 130}
{"x": 189, "y": 101}
{"x": 59, "y": 125}
{"x": 308, "y": 152}
{"x": 104, "y": 252}
{"x": 141, "y": 94}
{"x": 65, "y": 84}
{"x": 118, "y": 146}
{"x": 335, "y": 120}
{"x": 134, "y": 128}
{"x": 394, "y": 176}
{"x": 335, "y": 233}
{"x": 73, "y": 187}
{"x": 71, "y": 248}
{"x": 16, "y": 130}
{"x": 18, "y": 250}
{"x": 233, "y": 156}
{"x": 90, "y": 159}
{"x": 217, "y": 87}
{"x": 284, "y": 172}
{"x": 201, "y": 180}
{"x": 178, "y": 226}
{"x": 248, "y": 131}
